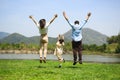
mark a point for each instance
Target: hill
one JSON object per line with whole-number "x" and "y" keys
{"x": 3, "y": 35}
{"x": 14, "y": 38}
{"x": 89, "y": 37}
{"x": 18, "y": 38}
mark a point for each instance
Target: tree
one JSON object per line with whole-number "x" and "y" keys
{"x": 117, "y": 50}
{"x": 102, "y": 48}
{"x": 114, "y": 39}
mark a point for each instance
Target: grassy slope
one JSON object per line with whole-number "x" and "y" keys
{"x": 33, "y": 70}
{"x": 112, "y": 46}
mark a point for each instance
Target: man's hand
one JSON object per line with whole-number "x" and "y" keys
{"x": 89, "y": 14}
{"x": 64, "y": 14}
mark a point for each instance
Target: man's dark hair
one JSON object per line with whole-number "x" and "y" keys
{"x": 76, "y": 22}
{"x": 42, "y": 23}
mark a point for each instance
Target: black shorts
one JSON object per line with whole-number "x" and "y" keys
{"x": 77, "y": 44}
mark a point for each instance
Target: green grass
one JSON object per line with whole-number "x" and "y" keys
{"x": 33, "y": 70}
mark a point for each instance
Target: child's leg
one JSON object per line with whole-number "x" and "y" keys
{"x": 61, "y": 59}
{"x": 60, "y": 62}
{"x": 59, "y": 55}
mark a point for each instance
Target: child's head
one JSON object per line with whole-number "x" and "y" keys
{"x": 61, "y": 39}
{"x": 76, "y": 22}
{"x": 42, "y": 23}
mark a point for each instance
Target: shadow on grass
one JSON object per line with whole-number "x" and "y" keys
{"x": 49, "y": 72}
{"x": 41, "y": 66}
{"x": 73, "y": 66}
{"x": 58, "y": 67}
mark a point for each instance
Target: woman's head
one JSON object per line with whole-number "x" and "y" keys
{"x": 42, "y": 23}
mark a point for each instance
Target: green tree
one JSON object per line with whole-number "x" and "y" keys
{"x": 114, "y": 39}
{"x": 102, "y": 48}
{"x": 117, "y": 50}
{"x": 67, "y": 46}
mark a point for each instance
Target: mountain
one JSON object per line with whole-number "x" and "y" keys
{"x": 89, "y": 36}
{"x": 3, "y": 35}
{"x": 18, "y": 38}
{"x": 14, "y": 38}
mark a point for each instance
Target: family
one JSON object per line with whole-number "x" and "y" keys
{"x": 76, "y": 39}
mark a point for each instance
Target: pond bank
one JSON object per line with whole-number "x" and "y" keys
{"x": 86, "y": 58}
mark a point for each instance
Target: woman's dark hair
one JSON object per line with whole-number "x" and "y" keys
{"x": 76, "y": 22}
{"x": 42, "y": 23}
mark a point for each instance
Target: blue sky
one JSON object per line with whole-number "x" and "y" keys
{"x": 14, "y": 15}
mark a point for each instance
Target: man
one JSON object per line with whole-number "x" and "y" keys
{"x": 77, "y": 37}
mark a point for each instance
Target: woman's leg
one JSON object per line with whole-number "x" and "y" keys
{"x": 45, "y": 51}
{"x": 40, "y": 51}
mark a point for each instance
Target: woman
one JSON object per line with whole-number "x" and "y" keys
{"x": 43, "y": 29}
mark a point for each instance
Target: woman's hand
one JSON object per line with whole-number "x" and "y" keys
{"x": 31, "y": 17}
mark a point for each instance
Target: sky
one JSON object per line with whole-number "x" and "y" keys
{"x": 14, "y": 15}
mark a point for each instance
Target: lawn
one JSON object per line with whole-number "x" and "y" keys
{"x": 33, "y": 70}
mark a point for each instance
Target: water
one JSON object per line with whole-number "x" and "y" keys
{"x": 86, "y": 58}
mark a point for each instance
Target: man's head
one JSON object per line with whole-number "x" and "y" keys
{"x": 42, "y": 23}
{"x": 76, "y": 22}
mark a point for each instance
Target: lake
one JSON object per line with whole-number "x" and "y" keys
{"x": 86, "y": 58}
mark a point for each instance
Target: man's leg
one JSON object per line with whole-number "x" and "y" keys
{"x": 74, "y": 52}
{"x": 80, "y": 52}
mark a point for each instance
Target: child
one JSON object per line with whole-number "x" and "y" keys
{"x": 77, "y": 37}
{"x": 43, "y": 29}
{"x": 59, "y": 49}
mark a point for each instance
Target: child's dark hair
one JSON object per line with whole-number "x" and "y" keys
{"x": 61, "y": 41}
{"x": 76, "y": 22}
{"x": 42, "y": 23}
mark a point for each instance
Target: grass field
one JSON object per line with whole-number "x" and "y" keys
{"x": 33, "y": 70}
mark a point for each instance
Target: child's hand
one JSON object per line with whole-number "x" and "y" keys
{"x": 30, "y": 17}
{"x": 56, "y": 15}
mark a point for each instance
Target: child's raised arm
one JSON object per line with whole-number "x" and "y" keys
{"x": 31, "y": 17}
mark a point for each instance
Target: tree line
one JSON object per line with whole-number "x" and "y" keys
{"x": 115, "y": 39}
{"x": 68, "y": 46}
